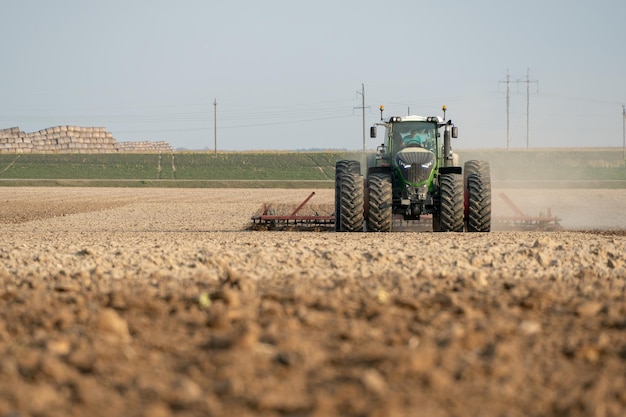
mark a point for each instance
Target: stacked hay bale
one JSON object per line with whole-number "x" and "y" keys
{"x": 72, "y": 139}
{"x": 144, "y": 147}
{"x": 13, "y": 140}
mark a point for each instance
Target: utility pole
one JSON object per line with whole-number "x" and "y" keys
{"x": 362, "y": 93}
{"x": 624, "y": 132}
{"x": 528, "y": 105}
{"x": 508, "y": 95}
{"x": 215, "y": 125}
{"x": 528, "y": 82}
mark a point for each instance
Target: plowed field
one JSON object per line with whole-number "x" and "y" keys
{"x": 158, "y": 302}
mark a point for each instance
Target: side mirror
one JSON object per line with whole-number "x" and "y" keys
{"x": 373, "y": 132}
{"x": 455, "y": 132}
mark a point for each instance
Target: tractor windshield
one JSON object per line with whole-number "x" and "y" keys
{"x": 413, "y": 134}
{"x": 414, "y": 150}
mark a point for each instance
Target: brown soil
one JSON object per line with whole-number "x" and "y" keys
{"x": 159, "y": 303}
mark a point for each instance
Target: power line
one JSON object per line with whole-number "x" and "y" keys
{"x": 581, "y": 99}
{"x": 518, "y": 81}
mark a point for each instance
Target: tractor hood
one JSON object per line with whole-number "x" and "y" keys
{"x": 416, "y": 164}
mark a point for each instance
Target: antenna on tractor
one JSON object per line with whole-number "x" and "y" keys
{"x": 444, "y": 108}
{"x": 381, "y": 108}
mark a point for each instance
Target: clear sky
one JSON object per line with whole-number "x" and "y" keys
{"x": 285, "y": 73}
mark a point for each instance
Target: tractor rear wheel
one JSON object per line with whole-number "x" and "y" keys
{"x": 342, "y": 167}
{"x": 380, "y": 199}
{"x": 477, "y": 196}
{"x": 349, "y": 216}
{"x": 450, "y": 216}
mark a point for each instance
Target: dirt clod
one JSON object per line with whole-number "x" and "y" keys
{"x": 159, "y": 303}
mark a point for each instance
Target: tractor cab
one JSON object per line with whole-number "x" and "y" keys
{"x": 411, "y": 148}
{"x": 411, "y": 134}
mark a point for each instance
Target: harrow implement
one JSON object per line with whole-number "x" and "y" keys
{"x": 522, "y": 221}
{"x": 270, "y": 219}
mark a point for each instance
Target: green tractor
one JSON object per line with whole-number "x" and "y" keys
{"x": 415, "y": 173}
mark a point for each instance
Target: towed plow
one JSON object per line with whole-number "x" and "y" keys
{"x": 322, "y": 218}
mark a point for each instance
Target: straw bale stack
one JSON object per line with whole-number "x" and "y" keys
{"x": 72, "y": 139}
{"x": 144, "y": 147}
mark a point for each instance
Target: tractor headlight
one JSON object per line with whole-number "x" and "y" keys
{"x": 404, "y": 165}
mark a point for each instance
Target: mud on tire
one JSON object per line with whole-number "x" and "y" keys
{"x": 380, "y": 199}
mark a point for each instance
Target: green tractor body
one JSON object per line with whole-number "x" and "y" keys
{"x": 415, "y": 173}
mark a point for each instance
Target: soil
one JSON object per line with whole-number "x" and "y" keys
{"x": 159, "y": 302}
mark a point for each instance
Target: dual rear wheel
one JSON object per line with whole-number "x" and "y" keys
{"x": 477, "y": 196}
{"x": 356, "y": 207}
{"x": 348, "y": 197}
{"x": 465, "y": 201}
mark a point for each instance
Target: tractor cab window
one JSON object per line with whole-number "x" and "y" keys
{"x": 413, "y": 134}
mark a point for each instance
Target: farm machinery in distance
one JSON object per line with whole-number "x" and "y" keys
{"x": 415, "y": 173}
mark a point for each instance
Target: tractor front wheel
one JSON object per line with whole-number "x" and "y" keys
{"x": 380, "y": 196}
{"x": 451, "y": 208}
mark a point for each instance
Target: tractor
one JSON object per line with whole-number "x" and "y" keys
{"x": 414, "y": 174}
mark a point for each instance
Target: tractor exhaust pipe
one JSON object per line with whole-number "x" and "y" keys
{"x": 447, "y": 149}
{"x": 450, "y": 131}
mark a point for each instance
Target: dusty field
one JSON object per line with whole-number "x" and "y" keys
{"x": 157, "y": 303}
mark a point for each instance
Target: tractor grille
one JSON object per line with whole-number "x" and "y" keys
{"x": 416, "y": 164}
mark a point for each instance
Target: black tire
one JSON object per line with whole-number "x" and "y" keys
{"x": 342, "y": 167}
{"x": 349, "y": 216}
{"x": 380, "y": 200}
{"x": 347, "y": 165}
{"x": 472, "y": 167}
{"x": 478, "y": 200}
{"x": 451, "y": 208}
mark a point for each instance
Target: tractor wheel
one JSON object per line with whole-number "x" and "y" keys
{"x": 341, "y": 167}
{"x": 477, "y": 196}
{"x": 380, "y": 199}
{"x": 470, "y": 167}
{"x": 451, "y": 205}
{"x": 347, "y": 166}
{"x": 349, "y": 215}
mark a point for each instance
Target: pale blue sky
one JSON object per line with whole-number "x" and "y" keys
{"x": 286, "y": 73}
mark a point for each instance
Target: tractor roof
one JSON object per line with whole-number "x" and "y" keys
{"x": 414, "y": 118}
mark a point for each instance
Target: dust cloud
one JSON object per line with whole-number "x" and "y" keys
{"x": 583, "y": 188}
